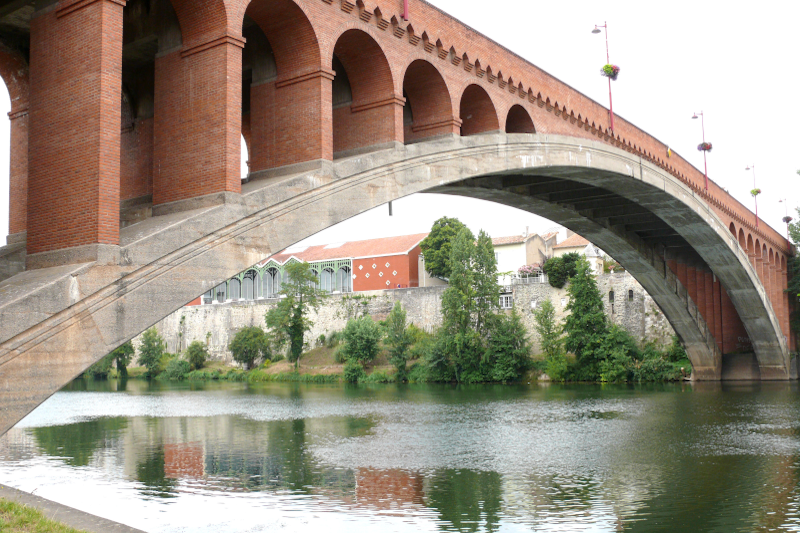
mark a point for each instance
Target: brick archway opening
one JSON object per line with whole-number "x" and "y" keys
{"x": 366, "y": 112}
{"x": 428, "y": 109}
{"x": 519, "y": 121}
{"x": 477, "y": 112}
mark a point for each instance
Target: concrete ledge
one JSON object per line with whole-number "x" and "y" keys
{"x": 104, "y": 254}
{"x": 17, "y": 238}
{"x": 344, "y": 154}
{"x": 298, "y": 168}
{"x": 200, "y": 202}
{"x": 66, "y": 515}
{"x": 742, "y": 367}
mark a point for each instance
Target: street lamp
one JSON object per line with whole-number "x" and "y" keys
{"x": 786, "y": 218}
{"x": 755, "y": 192}
{"x": 608, "y": 62}
{"x": 705, "y": 147}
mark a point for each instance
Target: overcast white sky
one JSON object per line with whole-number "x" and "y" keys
{"x": 735, "y": 61}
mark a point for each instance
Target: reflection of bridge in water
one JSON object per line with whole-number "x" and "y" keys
{"x": 344, "y": 106}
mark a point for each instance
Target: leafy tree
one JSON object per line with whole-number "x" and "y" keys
{"x": 508, "y": 352}
{"x": 585, "y": 326}
{"x": 353, "y": 371}
{"x": 561, "y": 269}
{"x": 248, "y": 345}
{"x": 793, "y": 265}
{"x": 177, "y": 369}
{"x": 398, "y": 339}
{"x": 548, "y": 329}
{"x": 197, "y": 354}
{"x": 289, "y": 320}
{"x": 617, "y": 353}
{"x": 150, "y": 352}
{"x": 487, "y": 291}
{"x": 123, "y": 356}
{"x": 362, "y": 339}
{"x": 436, "y": 247}
{"x": 100, "y": 369}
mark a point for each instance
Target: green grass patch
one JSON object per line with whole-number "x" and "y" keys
{"x": 17, "y": 518}
{"x": 259, "y": 376}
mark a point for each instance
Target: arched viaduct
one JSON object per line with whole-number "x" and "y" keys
{"x": 126, "y": 199}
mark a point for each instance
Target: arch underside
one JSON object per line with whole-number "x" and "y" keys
{"x": 59, "y": 321}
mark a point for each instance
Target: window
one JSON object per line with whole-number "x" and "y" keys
{"x": 506, "y": 301}
{"x": 272, "y": 282}
{"x": 326, "y": 280}
{"x": 208, "y": 297}
{"x": 630, "y": 296}
{"x": 563, "y": 302}
{"x": 344, "y": 280}
{"x": 249, "y": 285}
{"x": 611, "y": 296}
{"x": 221, "y": 292}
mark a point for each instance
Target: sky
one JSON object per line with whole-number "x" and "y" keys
{"x": 734, "y": 61}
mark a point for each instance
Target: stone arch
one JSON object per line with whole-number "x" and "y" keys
{"x": 199, "y": 25}
{"x": 742, "y": 241}
{"x": 374, "y": 114}
{"x": 290, "y": 91}
{"x": 732, "y": 229}
{"x": 477, "y": 112}
{"x": 429, "y": 105}
{"x": 519, "y": 120}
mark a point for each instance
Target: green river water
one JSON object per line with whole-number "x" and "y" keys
{"x": 238, "y": 457}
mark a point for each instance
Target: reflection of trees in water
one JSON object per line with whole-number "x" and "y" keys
{"x": 77, "y": 443}
{"x": 467, "y": 499}
{"x": 152, "y": 474}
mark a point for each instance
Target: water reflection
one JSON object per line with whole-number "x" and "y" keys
{"x": 475, "y": 458}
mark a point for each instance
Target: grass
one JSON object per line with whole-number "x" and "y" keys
{"x": 17, "y": 518}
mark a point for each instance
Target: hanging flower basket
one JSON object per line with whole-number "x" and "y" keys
{"x": 704, "y": 147}
{"x": 610, "y": 71}
{"x": 786, "y": 220}
{"x": 755, "y": 192}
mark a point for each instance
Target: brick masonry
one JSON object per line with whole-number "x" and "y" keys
{"x": 217, "y": 324}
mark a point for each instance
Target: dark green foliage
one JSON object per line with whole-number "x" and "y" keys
{"x": 353, "y": 371}
{"x": 557, "y": 367}
{"x": 249, "y": 345}
{"x": 123, "y": 356}
{"x": 549, "y": 329}
{"x": 508, "y": 353}
{"x": 585, "y": 326}
{"x": 288, "y": 321}
{"x": 151, "y": 352}
{"x": 398, "y": 340}
{"x": 177, "y": 369}
{"x": 616, "y": 354}
{"x": 100, "y": 369}
{"x": 676, "y": 353}
{"x": 561, "y": 269}
{"x": 333, "y": 339}
{"x": 197, "y": 354}
{"x": 436, "y": 247}
{"x": 378, "y": 377}
{"x": 362, "y": 338}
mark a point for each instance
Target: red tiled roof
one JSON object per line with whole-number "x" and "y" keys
{"x": 547, "y": 236}
{"x": 573, "y": 242}
{"x": 514, "y": 239}
{"x": 351, "y": 250}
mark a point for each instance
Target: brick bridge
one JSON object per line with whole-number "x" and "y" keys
{"x": 126, "y": 198}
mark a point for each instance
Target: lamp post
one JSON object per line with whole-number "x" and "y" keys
{"x": 755, "y": 192}
{"x": 704, "y": 145}
{"x": 608, "y": 61}
{"x": 786, "y": 217}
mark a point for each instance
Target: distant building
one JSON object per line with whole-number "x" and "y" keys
{"x": 353, "y": 266}
{"x": 517, "y": 251}
{"x": 578, "y": 244}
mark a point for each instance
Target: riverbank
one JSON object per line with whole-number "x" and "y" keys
{"x": 23, "y": 512}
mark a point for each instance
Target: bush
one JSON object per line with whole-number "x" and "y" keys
{"x": 557, "y": 367}
{"x": 398, "y": 340}
{"x": 418, "y": 373}
{"x": 561, "y": 269}
{"x": 197, "y": 354}
{"x": 378, "y": 377}
{"x": 321, "y": 340}
{"x": 334, "y": 338}
{"x": 177, "y": 369}
{"x": 101, "y": 368}
{"x": 151, "y": 352}
{"x": 353, "y": 371}
{"x": 508, "y": 351}
{"x": 361, "y": 336}
{"x": 248, "y": 345}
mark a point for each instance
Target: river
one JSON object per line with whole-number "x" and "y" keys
{"x": 219, "y": 457}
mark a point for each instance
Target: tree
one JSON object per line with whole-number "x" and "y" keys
{"x": 398, "y": 339}
{"x": 100, "y": 369}
{"x": 289, "y": 320}
{"x": 508, "y": 352}
{"x": 548, "y": 329}
{"x": 362, "y": 337}
{"x": 150, "y": 352}
{"x": 487, "y": 291}
{"x": 585, "y": 326}
{"x": 248, "y": 345}
{"x": 123, "y": 356}
{"x": 436, "y": 247}
{"x": 793, "y": 265}
{"x": 197, "y": 354}
{"x": 561, "y": 269}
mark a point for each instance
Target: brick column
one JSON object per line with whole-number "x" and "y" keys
{"x": 774, "y": 297}
{"x": 74, "y": 125}
{"x": 291, "y": 120}
{"x": 18, "y": 175}
{"x": 711, "y": 315}
{"x": 691, "y": 283}
{"x": 700, "y": 283}
{"x": 718, "y": 290}
{"x": 198, "y": 113}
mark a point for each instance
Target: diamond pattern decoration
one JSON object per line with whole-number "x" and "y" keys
{"x": 361, "y": 267}
{"x": 388, "y": 283}
{"x": 354, "y": 276}
{"x": 367, "y": 274}
{"x": 387, "y": 264}
{"x": 374, "y": 266}
{"x": 380, "y": 274}
{"x": 394, "y": 273}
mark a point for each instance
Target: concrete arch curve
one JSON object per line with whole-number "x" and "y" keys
{"x": 85, "y": 311}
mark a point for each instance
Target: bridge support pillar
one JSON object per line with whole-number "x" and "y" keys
{"x": 74, "y": 125}
{"x": 198, "y": 114}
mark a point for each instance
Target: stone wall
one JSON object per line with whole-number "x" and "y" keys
{"x": 217, "y": 324}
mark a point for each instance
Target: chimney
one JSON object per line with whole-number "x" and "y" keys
{"x": 526, "y": 232}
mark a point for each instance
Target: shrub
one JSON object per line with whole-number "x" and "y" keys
{"x": 177, "y": 369}
{"x": 361, "y": 336}
{"x": 378, "y": 377}
{"x": 398, "y": 340}
{"x": 353, "y": 371}
{"x": 123, "y": 356}
{"x": 557, "y": 367}
{"x": 101, "y": 368}
{"x": 508, "y": 351}
{"x": 248, "y": 345}
{"x": 151, "y": 352}
{"x": 418, "y": 373}
{"x": 197, "y": 354}
{"x": 334, "y": 338}
{"x": 321, "y": 340}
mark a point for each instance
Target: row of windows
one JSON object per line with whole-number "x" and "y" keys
{"x": 611, "y": 296}
{"x": 254, "y": 285}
